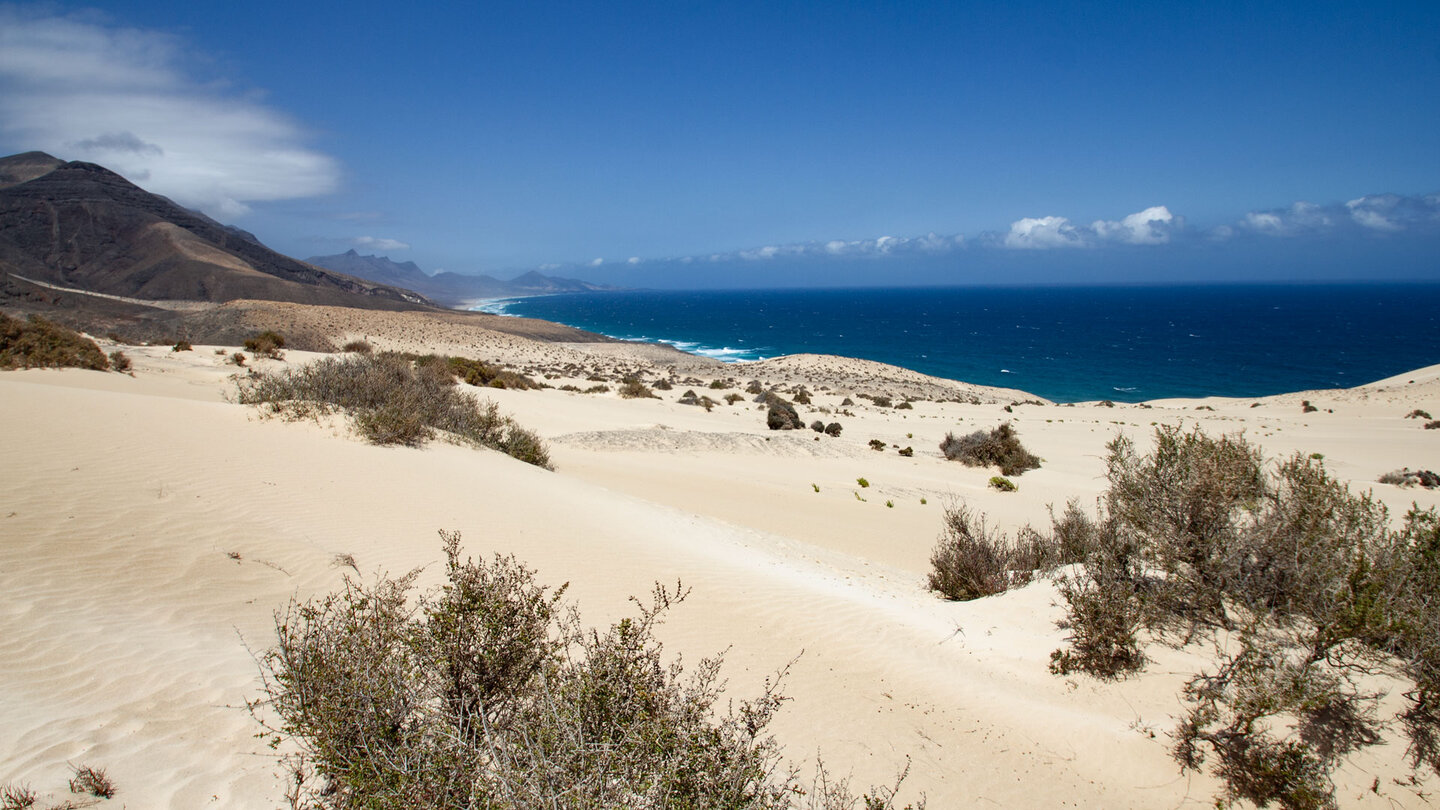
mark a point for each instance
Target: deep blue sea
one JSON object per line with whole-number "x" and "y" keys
{"x": 1063, "y": 343}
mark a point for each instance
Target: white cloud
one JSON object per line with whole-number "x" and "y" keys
{"x": 84, "y": 89}
{"x": 633, "y": 260}
{"x": 1149, "y": 227}
{"x": 1041, "y": 233}
{"x": 374, "y": 243}
{"x": 596, "y": 262}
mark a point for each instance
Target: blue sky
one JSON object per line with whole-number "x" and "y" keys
{"x": 687, "y": 144}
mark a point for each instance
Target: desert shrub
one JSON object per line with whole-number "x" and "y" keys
{"x": 663, "y": 384}
{"x": 1003, "y": 484}
{"x": 999, "y": 448}
{"x": 881, "y": 401}
{"x": 817, "y": 426}
{"x": 1409, "y": 478}
{"x": 1306, "y": 407}
{"x": 38, "y": 343}
{"x": 17, "y": 797}
{"x": 265, "y": 344}
{"x": 907, "y": 452}
{"x": 358, "y": 347}
{"x": 474, "y": 372}
{"x": 719, "y": 385}
{"x": 781, "y": 415}
{"x": 486, "y": 692}
{"x": 182, "y": 346}
{"x": 802, "y": 397}
{"x": 833, "y": 429}
{"x": 1432, "y": 425}
{"x": 754, "y": 387}
{"x": 904, "y": 406}
{"x": 92, "y": 781}
{"x": 119, "y": 361}
{"x": 391, "y": 402}
{"x": 238, "y": 358}
{"x": 971, "y": 560}
{"x": 846, "y": 402}
{"x": 877, "y": 445}
{"x": 732, "y": 398}
{"x": 864, "y": 484}
{"x": 1417, "y": 414}
{"x": 632, "y": 388}
{"x": 1308, "y": 583}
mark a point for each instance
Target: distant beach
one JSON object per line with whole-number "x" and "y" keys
{"x": 1064, "y": 343}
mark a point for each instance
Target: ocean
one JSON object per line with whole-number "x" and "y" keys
{"x": 1067, "y": 344}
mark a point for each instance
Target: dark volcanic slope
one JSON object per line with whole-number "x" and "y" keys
{"x": 81, "y": 226}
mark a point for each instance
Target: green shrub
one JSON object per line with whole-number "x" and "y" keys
{"x": 392, "y": 402}
{"x": 862, "y": 482}
{"x": 1308, "y": 583}
{"x": 999, "y": 448}
{"x": 877, "y": 444}
{"x": 486, "y": 692}
{"x": 38, "y": 343}
{"x": 1002, "y": 484}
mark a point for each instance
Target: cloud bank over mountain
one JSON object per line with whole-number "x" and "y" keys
{"x": 82, "y": 88}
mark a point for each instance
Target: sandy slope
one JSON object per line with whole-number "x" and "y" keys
{"x": 149, "y": 529}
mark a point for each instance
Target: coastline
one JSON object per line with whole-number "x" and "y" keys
{"x": 134, "y": 626}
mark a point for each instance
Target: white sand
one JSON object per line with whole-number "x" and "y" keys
{"x": 149, "y": 529}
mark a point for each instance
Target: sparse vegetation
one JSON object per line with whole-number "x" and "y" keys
{"x": 1432, "y": 425}
{"x": 1304, "y": 588}
{"x": 474, "y": 372}
{"x": 38, "y": 343}
{"x": 17, "y": 797}
{"x": 971, "y": 560}
{"x": 781, "y": 415}
{"x": 999, "y": 447}
{"x": 1409, "y": 478}
{"x": 391, "y": 402}
{"x": 182, "y": 346}
{"x": 907, "y": 452}
{"x": 1002, "y": 483}
{"x": 119, "y": 361}
{"x": 358, "y": 347}
{"x": 864, "y": 484}
{"x": 266, "y": 344}
{"x": 92, "y": 781}
{"x": 486, "y": 692}
{"x": 817, "y": 426}
{"x": 1418, "y": 414}
{"x": 633, "y": 388}
{"x": 1306, "y": 407}
{"x": 833, "y": 429}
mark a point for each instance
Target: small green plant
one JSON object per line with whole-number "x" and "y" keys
{"x": 858, "y": 498}
{"x": 923, "y": 501}
{"x": 907, "y": 452}
{"x": 862, "y": 482}
{"x": 815, "y": 487}
{"x": 877, "y": 444}
{"x": 889, "y": 504}
{"x": 1001, "y": 483}
{"x": 92, "y": 781}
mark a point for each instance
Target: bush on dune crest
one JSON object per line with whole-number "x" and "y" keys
{"x": 486, "y": 692}
{"x": 38, "y": 343}
{"x": 1302, "y": 586}
{"x": 392, "y": 401}
{"x": 995, "y": 448}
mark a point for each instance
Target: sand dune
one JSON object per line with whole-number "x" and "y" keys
{"x": 149, "y": 529}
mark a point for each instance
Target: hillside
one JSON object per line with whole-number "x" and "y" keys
{"x": 448, "y": 289}
{"x": 82, "y": 227}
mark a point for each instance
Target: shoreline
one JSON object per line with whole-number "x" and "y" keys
{"x": 134, "y": 626}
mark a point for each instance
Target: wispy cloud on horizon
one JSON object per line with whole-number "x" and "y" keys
{"x": 378, "y": 243}
{"x": 1153, "y": 227}
{"x": 82, "y": 88}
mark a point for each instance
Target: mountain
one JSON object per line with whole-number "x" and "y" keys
{"x": 78, "y": 226}
{"x": 449, "y": 289}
